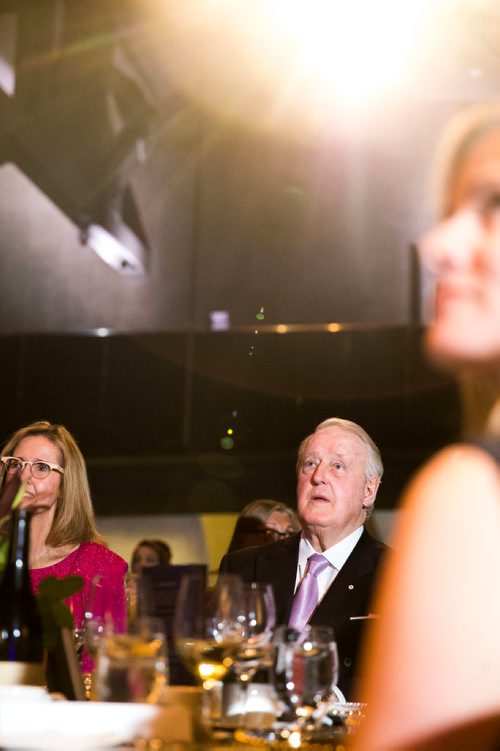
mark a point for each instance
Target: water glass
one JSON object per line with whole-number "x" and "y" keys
{"x": 132, "y": 666}
{"x": 306, "y": 672}
{"x": 258, "y": 619}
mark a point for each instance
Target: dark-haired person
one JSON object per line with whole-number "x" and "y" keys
{"x": 150, "y": 552}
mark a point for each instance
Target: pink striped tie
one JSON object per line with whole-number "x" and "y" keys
{"x": 307, "y": 595}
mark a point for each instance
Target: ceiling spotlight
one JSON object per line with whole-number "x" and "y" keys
{"x": 120, "y": 249}
{"x": 115, "y": 234}
{"x": 8, "y": 46}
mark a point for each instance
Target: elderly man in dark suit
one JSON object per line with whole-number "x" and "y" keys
{"x": 339, "y": 470}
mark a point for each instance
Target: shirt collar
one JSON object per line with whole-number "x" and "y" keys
{"x": 337, "y": 555}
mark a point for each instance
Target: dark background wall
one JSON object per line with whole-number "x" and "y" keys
{"x": 180, "y": 423}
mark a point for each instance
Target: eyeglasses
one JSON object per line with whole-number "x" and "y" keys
{"x": 39, "y": 470}
{"x": 275, "y": 534}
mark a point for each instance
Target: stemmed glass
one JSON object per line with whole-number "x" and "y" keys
{"x": 307, "y": 671}
{"x": 78, "y": 631}
{"x": 209, "y": 625}
{"x": 255, "y": 650}
{"x": 97, "y": 619}
{"x": 90, "y": 620}
{"x": 101, "y": 617}
{"x": 130, "y": 649}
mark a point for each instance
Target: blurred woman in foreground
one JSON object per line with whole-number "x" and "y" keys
{"x": 432, "y": 676}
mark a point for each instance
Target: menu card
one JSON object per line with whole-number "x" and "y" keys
{"x": 160, "y": 586}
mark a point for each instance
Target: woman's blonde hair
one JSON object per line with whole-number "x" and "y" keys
{"x": 460, "y": 136}
{"x": 74, "y": 520}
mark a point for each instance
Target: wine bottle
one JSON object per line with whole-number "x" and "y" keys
{"x": 21, "y": 633}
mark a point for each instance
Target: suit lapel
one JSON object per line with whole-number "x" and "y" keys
{"x": 277, "y": 564}
{"x": 348, "y": 592}
{"x": 361, "y": 560}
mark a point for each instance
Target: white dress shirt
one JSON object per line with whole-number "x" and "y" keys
{"x": 337, "y": 555}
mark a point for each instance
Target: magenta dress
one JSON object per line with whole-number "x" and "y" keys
{"x": 103, "y": 592}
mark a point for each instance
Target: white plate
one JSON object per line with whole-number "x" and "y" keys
{"x": 55, "y": 743}
{"x": 39, "y": 726}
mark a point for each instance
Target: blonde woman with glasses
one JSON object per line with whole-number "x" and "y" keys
{"x": 64, "y": 539}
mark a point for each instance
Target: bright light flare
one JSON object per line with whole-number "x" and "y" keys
{"x": 274, "y": 62}
{"x": 350, "y": 50}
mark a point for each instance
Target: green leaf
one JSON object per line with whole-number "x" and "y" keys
{"x": 52, "y": 588}
{"x": 19, "y": 496}
{"x": 54, "y": 612}
{"x": 4, "y": 552}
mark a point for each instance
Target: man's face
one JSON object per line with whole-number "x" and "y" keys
{"x": 331, "y": 485}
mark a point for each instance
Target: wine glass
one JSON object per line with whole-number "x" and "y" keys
{"x": 307, "y": 671}
{"x": 256, "y": 648}
{"x": 209, "y": 625}
{"x": 76, "y": 607}
{"x": 97, "y": 618}
{"x": 79, "y": 642}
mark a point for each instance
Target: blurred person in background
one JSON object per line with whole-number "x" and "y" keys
{"x": 432, "y": 673}
{"x": 261, "y": 521}
{"x": 150, "y": 552}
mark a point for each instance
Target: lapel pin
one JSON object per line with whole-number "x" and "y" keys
{"x": 350, "y": 586}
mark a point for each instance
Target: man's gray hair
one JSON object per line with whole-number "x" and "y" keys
{"x": 374, "y": 466}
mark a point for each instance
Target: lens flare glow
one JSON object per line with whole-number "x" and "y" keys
{"x": 351, "y": 50}
{"x": 277, "y": 61}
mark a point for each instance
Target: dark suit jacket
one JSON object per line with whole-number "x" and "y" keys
{"x": 349, "y": 595}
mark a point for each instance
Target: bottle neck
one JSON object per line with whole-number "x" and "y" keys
{"x": 19, "y": 551}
